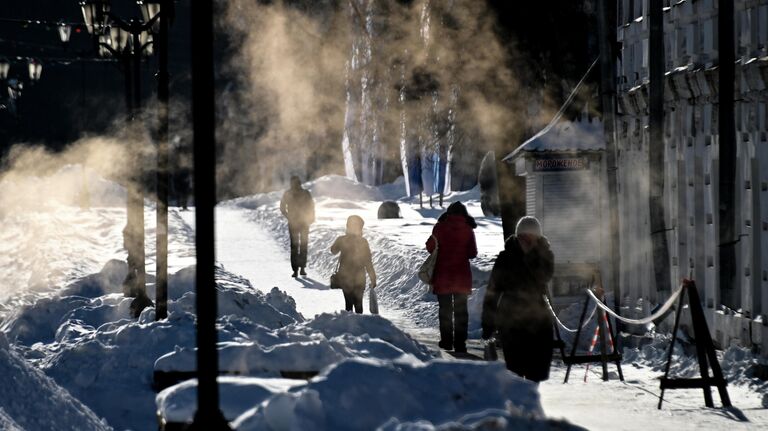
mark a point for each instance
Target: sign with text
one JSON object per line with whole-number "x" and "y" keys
{"x": 565, "y": 164}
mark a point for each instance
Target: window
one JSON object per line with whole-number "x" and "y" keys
{"x": 682, "y": 46}
{"x": 744, "y": 29}
{"x": 623, "y": 13}
{"x": 707, "y": 37}
{"x": 707, "y": 119}
{"x": 690, "y": 39}
{"x": 669, "y": 54}
{"x": 645, "y": 53}
{"x": 762, "y": 20}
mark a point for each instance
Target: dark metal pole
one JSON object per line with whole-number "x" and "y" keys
{"x": 607, "y": 30}
{"x": 130, "y": 231}
{"x": 138, "y": 201}
{"x": 727, "y": 155}
{"x": 208, "y": 415}
{"x": 161, "y": 261}
{"x": 660, "y": 248}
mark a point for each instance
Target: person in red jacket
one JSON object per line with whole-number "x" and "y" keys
{"x": 452, "y": 278}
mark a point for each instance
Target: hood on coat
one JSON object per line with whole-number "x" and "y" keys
{"x": 457, "y": 208}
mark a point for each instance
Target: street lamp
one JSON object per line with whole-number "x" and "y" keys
{"x": 5, "y": 67}
{"x": 119, "y": 39}
{"x": 104, "y": 45}
{"x": 95, "y": 14}
{"x": 35, "y": 70}
{"x": 150, "y": 10}
{"x": 65, "y": 31}
{"x": 147, "y": 42}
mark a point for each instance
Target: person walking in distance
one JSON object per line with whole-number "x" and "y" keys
{"x": 355, "y": 261}
{"x": 298, "y": 207}
{"x": 514, "y": 301}
{"x": 452, "y": 277}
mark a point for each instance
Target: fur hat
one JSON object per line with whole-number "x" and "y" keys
{"x": 529, "y": 225}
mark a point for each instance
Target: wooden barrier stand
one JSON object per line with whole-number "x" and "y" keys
{"x": 605, "y": 330}
{"x": 705, "y": 352}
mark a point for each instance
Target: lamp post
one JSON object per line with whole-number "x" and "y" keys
{"x": 160, "y": 13}
{"x": 208, "y": 415}
{"x": 128, "y": 42}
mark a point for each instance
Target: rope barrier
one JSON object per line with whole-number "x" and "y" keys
{"x": 562, "y": 325}
{"x": 663, "y": 310}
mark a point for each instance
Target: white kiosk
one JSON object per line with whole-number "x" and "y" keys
{"x": 564, "y": 172}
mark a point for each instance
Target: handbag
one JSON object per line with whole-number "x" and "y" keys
{"x": 373, "y": 301}
{"x": 335, "y": 277}
{"x": 489, "y": 350}
{"x": 427, "y": 269}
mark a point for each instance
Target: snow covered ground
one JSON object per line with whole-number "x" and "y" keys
{"x": 67, "y": 338}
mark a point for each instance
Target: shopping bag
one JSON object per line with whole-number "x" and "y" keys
{"x": 489, "y": 350}
{"x": 427, "y": 269}
{"x": 336, "y": 277}
{"x": 373, "y": 301}
{"x": 335, "y": 281}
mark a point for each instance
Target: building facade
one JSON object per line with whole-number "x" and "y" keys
{"x": 691, "y": 161}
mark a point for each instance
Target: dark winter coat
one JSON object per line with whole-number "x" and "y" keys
{"x": 354, "y": 261}
{"x": 515, "y": 294}
{"x": 298, "y": 207}
{"x": 514, "y": 305}
{"x": 456, "y": 245}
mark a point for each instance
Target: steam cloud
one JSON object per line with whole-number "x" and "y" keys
{"x": 298, "y": 63}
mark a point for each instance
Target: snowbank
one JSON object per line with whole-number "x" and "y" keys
{"x": 30, "y": 400}
{"x": 740, "y": 366}
{"x": 236, "y": 394}
{"x": 333, "y": 325}
{"x": 365, "y": 394}
{"x": 89, "y": 344}
{"x": 405, "y": 394}
{"x": 305, "y": 347}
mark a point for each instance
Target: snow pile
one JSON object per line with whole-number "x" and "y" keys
{"x": 7, "y": 423}
{"x": 349, "y": 324}
{"x": 740, "y": 365}
{"x": 305, "y": 347}
{"x": 236, "y": 394}
{"x": 30, "y": 400}
{"x": 236, "y": 297}
{"x": 44, "y": 249}
{"x": 40, "y": 320}
{"x": 365, "y": 394}
{"x": 487, "y": 420}
{"x": 86, "y": 341}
